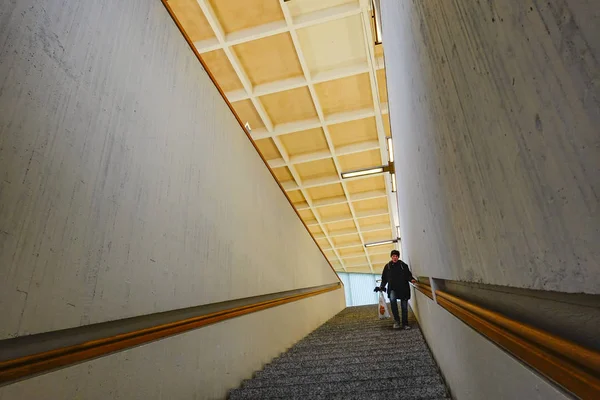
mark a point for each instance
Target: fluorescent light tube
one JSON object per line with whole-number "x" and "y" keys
{"x": 376, "y": 21}
{"x": 372, "y": 244}
{"x": 362, "y": 172}
{"x": 393, "y": 183}
{"x": 390, "y": 149}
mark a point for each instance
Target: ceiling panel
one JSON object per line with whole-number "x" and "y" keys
{"x": 326, "y": 191}
{"x": 283, "y": 174}
{"x": 333, "y": 44}
{"x": 235, "y": 15}
{"x": 296, "y": 196}
{"x": 386, "y": 125}
{"x": 336, "y": 265}
{"x": 357, "y": 131}
{"x": 330, "y": 254}
{"x": 346, "y": 240}
{"x": 371, "y": 204}
{"x": 315, "y": 230}
{"x": 219, "y": 65}
{"x": 361, "y": 270}
{"x": 348, "y": 251}
{"x": 377, "y": 236}
{"x": 192, "y": 19}
{"x": 289, "y": 106}
{"x": 364, "y": 159}
{"x": 380, "y": 260}
{"x": 337, "y": 210}
{"x": 316, "y": 169}
{"x": 247, "y": 113}
{"x": 385, "y": 249}
{"x": 268, "y": 148}
{"x": 299, "y": 7}
{"x": 382, "y": 86}
{"x": 304, "y": 142}
{"x": 323, "y": 243}
{"x": 306, "y": 215}
{"x": 370, "y": 221}
{"x": 340, "y": 226}
{"x": 371, "y": 183}
{"x": 355, "y": 262}
{"x": 345, "y": 94}
{"x": 269, "y": 59}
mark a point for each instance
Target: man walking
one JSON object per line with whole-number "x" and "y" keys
{"x": 397, "y": 275}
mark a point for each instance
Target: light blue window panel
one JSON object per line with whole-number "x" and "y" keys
{"x": 359, "y": 288}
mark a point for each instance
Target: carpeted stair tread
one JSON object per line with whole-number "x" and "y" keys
{"x": 330, "y": 377}
{"x": 346, "y": 360}
{"x": 289, "y": 370}
{"x": 356, "y": 334}
{"x": 338, "y": 353}
{"x": 370, "y": 342}
{"x": 416, "y": 388}
{"x": 355, "y": 328}
{"x": 352, "y": 356}
{"x": 359, "y": 336}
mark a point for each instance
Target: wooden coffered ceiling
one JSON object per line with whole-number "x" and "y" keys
{"x": 307, "y": 77}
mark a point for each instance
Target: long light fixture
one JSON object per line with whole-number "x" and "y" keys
{"x": 390, "y": 149}
{"x": 381, "y": 243}
{"x": 393, "y": 183}
{"x": 364, "y": 171}
{"x": 376, "y": 21}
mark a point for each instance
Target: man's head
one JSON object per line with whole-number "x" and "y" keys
{"x": 395, "y": 254}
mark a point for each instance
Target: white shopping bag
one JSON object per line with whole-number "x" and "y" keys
{"x": 382, "y": 309}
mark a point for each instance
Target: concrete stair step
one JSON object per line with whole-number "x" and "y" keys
{"x": 422, "y": 387}
{"x": 406, "y": 372}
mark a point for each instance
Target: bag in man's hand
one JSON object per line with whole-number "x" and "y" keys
{"x": 382, "y": 309}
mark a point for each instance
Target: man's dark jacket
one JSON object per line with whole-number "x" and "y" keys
{"x": 396, "y": 276}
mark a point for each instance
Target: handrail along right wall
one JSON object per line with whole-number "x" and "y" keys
{"x": 571, "y": 366}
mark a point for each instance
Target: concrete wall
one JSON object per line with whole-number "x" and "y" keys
{"x": 201, "y": 364}
{"x": 127, "y": 187}
{"x": 495, "y": 114}
{"x": 473, "y": 367}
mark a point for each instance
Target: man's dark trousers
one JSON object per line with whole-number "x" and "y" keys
{"x": 403, "y": 305}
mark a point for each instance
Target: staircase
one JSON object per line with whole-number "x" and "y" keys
{"x": 352, "y": 356}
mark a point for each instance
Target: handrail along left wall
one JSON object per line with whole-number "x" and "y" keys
{"x": 30, "y": 365}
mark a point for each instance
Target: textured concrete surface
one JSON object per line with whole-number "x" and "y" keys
{"x": 202, "y": 364}
{"x": 495, "y": 112}
{"x": 126, "y": 185}
{"x": 343, "y": 359}
{"x": 472, "y": 366}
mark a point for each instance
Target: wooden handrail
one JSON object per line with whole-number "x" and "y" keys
{"x": 556, "y": 344}
{"x": 424, "y": 288}
{"x": 27, "y": 366}
{"x": 568, "y": 364}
